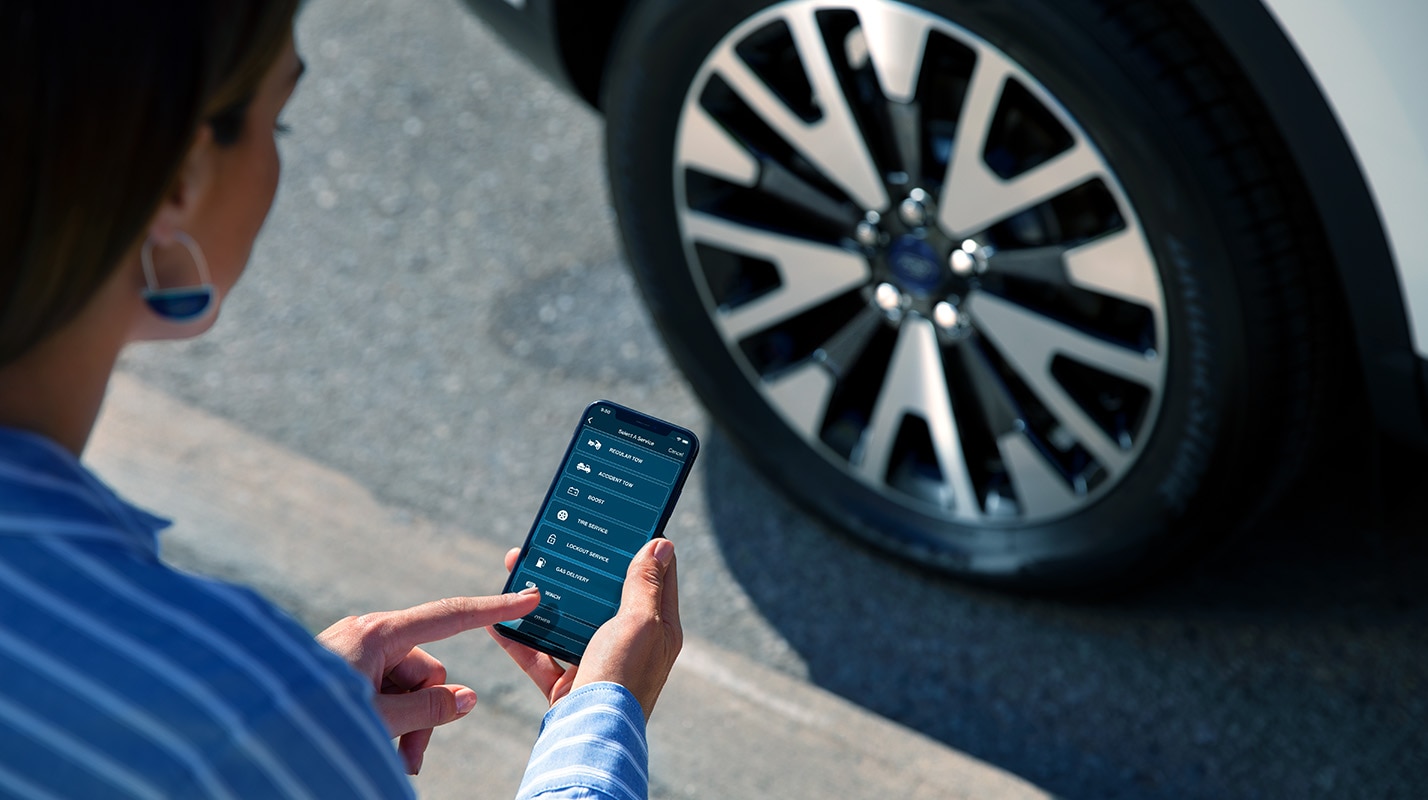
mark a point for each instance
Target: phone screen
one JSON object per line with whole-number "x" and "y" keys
{"x": 614, "y": 492}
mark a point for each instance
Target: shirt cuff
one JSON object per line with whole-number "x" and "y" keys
{"x": 592, "y": 744}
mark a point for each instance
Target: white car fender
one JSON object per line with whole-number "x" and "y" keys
{"x": 1371, "y": 63}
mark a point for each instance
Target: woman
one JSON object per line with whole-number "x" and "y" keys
{"x": 141, "y": 164}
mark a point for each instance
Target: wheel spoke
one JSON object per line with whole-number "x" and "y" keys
{"x": 906, "y": 119}
{"x": 896, "y": 37}
{"x": 705, "y": 145}
{"x": 778, "y": 181}
{"x": 1030, "y": 342}
{"x": 843, "y": 348}
{"x": 801, "y": 395}
{"x": 974, "y": 197}
{"x": 1042, "y": 264}
{"x": 809, "y": 273}
{"x": 1052, "y": 338}
{"x": 1040, "y": 489}
{"x": 999, "y": 409}
{"x": 965, "y": 169}
{"x": 916, "y": 385}
{"x": 1119, "y": 264}
{"x": 833, "y": 143}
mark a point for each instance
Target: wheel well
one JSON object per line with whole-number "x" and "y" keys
{"x": 1358, "y": 248}
{"x": 584, "y": 34}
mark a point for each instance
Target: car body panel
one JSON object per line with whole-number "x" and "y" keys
{"x": 566, "y": 39}
{"x": 529, "y": 28}
{"x": 1371, "y": 63}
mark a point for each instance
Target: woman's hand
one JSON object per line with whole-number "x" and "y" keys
{"x": 412, "y": 694}
{"x": 635, "y": 649}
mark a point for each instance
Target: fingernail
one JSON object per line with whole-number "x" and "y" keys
{"x": 663, "y": 551}
{"x": 465, "y": 700}
{"x": 529, "y": 590}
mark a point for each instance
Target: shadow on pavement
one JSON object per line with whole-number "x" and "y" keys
{"x": 1291, "y": 665}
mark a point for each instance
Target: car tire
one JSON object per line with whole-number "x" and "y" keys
{"x": 1023, "y": 290}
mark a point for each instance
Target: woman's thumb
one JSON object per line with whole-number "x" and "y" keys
{"x": 646, "y": 580}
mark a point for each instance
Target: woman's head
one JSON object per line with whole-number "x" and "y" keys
{"x": 123, "y": 121}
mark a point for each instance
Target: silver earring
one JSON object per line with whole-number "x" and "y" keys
{"x": 184, "y": 303}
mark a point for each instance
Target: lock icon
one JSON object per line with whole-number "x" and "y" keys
{"x": 550, "y": 539}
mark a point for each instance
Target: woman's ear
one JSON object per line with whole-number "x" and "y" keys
{"x": 189, "y": 190}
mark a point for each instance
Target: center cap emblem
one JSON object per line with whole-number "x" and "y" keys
{"x": 914, "y": 263}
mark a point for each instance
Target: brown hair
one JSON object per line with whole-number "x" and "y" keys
{"x": 102, "y": 101}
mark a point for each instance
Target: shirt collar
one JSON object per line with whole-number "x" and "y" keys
{"x": 46, "y": 491}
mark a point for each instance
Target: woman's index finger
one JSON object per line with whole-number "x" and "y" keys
{"x": 442, "y": 619}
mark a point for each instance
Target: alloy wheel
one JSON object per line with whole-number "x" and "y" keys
{"x": 920, "y": 261}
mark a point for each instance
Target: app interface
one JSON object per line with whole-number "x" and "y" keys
{"x": 607, "y": 502}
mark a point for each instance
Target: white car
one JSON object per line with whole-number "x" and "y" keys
{"x": 1043, "y": 293}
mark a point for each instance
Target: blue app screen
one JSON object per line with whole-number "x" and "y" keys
{"x": 608, "y": 500}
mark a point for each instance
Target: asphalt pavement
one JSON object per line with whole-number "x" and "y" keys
{"x": 440, "y": 290}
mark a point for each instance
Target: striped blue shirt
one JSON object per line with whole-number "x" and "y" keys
{"x": 126, "y": 678}
{"x": 591, "y": 745}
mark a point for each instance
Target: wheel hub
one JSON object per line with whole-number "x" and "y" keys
{"x": 919, "y": 268}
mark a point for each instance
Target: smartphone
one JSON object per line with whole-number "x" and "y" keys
{"x": 614, "y": 491}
